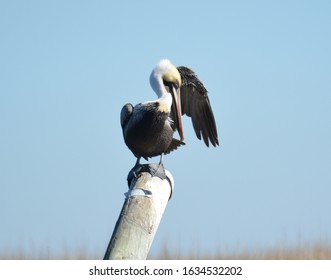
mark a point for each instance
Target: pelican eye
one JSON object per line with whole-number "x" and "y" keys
{"x": 171, "y": 84}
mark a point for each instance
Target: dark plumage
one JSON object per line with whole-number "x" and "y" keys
{"x": 195, "y": 104}
{"x": 146, "y": 131}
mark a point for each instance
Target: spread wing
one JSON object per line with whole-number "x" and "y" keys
{"x": 195, "y": 104}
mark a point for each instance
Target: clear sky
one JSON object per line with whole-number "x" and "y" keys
{"x": 68, "y": 67}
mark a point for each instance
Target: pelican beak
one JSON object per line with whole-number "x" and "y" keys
{"x": 175, "y": 92}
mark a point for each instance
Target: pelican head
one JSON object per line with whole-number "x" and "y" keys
{"x": 165, "y": 79}
{"x": 164, "y": 72}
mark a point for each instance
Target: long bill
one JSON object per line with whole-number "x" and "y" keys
{"x": 177, "y": 108}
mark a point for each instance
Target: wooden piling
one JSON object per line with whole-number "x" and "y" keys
{"x": 141, "y": 214}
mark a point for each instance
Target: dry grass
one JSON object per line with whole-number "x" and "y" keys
{"x": 316, "y": 251}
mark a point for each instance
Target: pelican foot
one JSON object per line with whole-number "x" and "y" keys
{"x": 155, "y": 169}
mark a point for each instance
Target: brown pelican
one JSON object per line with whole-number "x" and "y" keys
{"x": 148, "y": 127}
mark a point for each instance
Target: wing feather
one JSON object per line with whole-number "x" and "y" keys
{"x": 174, "y": 145}
{"x": 195, "y": 104}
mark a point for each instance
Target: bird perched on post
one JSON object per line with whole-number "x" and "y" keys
{"x": 148, "y": 127}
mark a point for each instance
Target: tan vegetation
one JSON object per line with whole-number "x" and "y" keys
{"x": 316, "y": 251}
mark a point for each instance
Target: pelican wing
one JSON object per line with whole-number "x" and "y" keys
{"x": 195, "y": 104}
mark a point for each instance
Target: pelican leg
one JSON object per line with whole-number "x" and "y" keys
{"x": 137, "y": 162}
{"x": 134, "y": 172}
{"x": 161, "y": 159}
{"x": 137, "y": 167}
{"x": 159, "y": 168}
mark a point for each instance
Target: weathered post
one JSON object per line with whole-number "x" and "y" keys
{"x": 150, "y": 188}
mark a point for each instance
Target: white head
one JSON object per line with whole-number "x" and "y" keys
{"x": 164, "y": 73}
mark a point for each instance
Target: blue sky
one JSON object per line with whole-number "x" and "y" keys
{"x": 68, "y": 67}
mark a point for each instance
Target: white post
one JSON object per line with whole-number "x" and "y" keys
{"x": 141, "y": 214}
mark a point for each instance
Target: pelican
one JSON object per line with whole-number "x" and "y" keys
{"x": 148, "y": 127}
